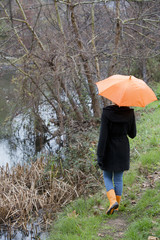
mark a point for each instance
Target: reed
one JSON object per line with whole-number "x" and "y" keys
{"x": 30, "y": 191}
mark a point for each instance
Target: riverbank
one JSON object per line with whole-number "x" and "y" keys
{"x": 138, "y": 217}
{"x": 35, "y": 192}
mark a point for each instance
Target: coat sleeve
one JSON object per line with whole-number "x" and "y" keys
{"x": 132, "y": 129}
{"x": 103, "y": 138}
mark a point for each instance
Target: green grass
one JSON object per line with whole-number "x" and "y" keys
{"x": 148, "y": 130}
{"x": 80, "y": 220}
{"x": 145, "y": 216}
{"x": 150, "y": 160}
{"x": 85, "y": 219}
{"x": 139, "y": 230}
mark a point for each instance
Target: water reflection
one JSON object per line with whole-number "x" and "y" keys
{"x": 17, "y": 235}
{"x": 5, "y": 95}
{"x": 4, "y": 153}
{"x": 7, "y": 156}
{"x": 22, "y": 143}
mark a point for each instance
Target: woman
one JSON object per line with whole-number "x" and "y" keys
{"x": 113, "y": 149}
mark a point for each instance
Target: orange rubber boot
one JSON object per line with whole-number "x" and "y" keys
{"x": 118, "y": 198}
{"x": 113, "y": 202}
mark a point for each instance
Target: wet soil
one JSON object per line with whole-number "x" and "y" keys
{"x": 113, "y": 228}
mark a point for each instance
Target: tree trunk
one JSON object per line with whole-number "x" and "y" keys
{"x": 114, "y": 60}
{"x": 72, "y": 102}
{"x": 144, "y": 70}
{"x": 94, "y": 47}
{"x": 95, "y": 101}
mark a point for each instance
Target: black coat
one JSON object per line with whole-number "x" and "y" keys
{"x": 113, "y": 147}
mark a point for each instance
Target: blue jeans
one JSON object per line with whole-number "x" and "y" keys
{"x": 113, "y": 180}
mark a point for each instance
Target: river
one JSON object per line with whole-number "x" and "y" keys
{"x": 17, "y": 145}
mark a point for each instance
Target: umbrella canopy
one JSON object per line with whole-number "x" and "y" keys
{"x": 126, "y": 91}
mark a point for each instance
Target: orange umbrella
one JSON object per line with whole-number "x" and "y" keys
{"x": 126, "y": 91}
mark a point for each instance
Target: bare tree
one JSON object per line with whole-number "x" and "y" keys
{"x": 62, "y": 47}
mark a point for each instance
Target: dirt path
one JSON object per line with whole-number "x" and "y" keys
{"x": 114, "y": 227}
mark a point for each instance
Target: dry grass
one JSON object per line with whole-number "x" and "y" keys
{"x": 29, "y": 191}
